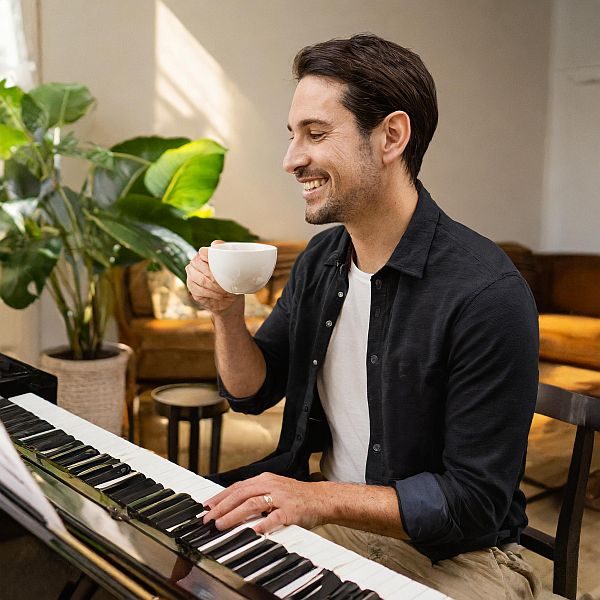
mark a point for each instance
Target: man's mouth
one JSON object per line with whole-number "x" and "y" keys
{"x": 313, "y": 184}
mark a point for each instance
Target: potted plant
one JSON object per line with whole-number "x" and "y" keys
{"x": 144, "y": 198}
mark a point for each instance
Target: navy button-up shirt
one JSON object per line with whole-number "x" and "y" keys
{"x": 452, "y": 369}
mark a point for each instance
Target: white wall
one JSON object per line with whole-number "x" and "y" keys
{"x": 197, "y": 67}
{"x": 571, "y": 206}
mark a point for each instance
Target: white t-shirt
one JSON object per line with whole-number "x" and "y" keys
{"x": 342, "y": 385}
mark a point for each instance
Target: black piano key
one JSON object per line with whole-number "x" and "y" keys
{"x": 180, "y": 516}
{"x": 171, "y": 510}
{"x": 10, "y": 412}
{"x": 346, "y": 590}
{"x": 249, "y": 554}
{"x": 202, "y": 530}
{"x": 264, "y": 560}
{"x": 47, "y": 436}
{"x": 289, "y": 562}
{"x": 17, "y": 418}
{"x": 32, "y": 430}
{"x": 186, "y": 528}
{"x": 318, "y": 589}
{"x": 148, "y": 500}
{"x": 51, "y": 441}
{"x": 140, "y": 492}
{"x": 130, "y": 485}
{"x": 94, "y": 471}
{"x": 77, "y": 465}
{"x": 369, "y": 595}
{"x": 66, "y": 448}
{"x": 78, "y": 450}
{"x": 288, "y": 575}
{"x": 116, "y": 472}
{"x": 210, "y": 536}
{"x": 4, "y": 402}
{"x": 149, "y": 511}
{"x": 233, "y": 543}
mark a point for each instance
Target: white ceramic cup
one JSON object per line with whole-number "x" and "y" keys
{"x": 242, "y": 267}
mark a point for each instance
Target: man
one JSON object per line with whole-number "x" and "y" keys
{"x": 405, "y": 344}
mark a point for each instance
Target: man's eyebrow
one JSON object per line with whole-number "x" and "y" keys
{"x": 306, "y": 122}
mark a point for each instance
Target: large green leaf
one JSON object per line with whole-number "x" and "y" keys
{"x": 148, "y": 241}
{"x": 33, "y": 115}
{"x": 10, "y": 105}
{"x": 26, "y": 263}
{"x": 194, "y": 182}
{"x": 62, "y": 102}
{"x": 10, "y": 140}
{"x": 21, "y": 182}
{"x": 130, "y": 161}
{"x": 163, "y": 174}
{"x": 195, "y": 230}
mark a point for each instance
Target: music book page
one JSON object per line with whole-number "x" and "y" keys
{"x": 16, "y": 478}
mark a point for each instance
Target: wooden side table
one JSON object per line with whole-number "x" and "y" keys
{"x": 191, "y": 402}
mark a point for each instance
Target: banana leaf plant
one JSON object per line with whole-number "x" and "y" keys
{"x": 144, "y": 198}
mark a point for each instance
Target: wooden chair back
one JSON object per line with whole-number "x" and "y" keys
{"x": 563, "y": 548}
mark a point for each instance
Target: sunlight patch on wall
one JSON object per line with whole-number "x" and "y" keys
{"x": 191, "y": 86}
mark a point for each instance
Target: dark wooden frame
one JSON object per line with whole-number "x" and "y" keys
{"x": 563, "y": 548}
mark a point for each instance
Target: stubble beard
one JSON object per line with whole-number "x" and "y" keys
{"x": 345, "y": 206}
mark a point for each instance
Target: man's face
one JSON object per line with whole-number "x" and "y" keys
{"x": 328, "y": 155}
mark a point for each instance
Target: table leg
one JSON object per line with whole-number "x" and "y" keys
{"x": 215, "y": 443}
{"x": 173, "y": 435}
{"x": 194, "y": 443}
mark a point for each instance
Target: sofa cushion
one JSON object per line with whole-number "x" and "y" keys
{"x": 583, "y": 381}
{"x": 570, "y": 339}
{"x": 177, "y": 349}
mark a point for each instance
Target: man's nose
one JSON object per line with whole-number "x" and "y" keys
{"x": 294, "y": 158}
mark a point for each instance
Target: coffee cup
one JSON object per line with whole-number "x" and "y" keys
{"x": 242, "y": 267}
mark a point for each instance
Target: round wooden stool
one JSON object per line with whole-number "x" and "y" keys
{"x": 191, "y": 402}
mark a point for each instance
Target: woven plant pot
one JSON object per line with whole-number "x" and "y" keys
{"x": 91, "y": 389}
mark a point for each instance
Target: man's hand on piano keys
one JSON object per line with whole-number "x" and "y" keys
{"x": 293, "y": 503}
{"x": 360, "y": 506}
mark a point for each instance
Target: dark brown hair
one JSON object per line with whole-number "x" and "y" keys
{"x": 381, "y": 77}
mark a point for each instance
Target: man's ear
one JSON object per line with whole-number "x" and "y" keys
{"x": 395, "y": 135}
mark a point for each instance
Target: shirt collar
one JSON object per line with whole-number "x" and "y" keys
{"x": 412, "y": 251}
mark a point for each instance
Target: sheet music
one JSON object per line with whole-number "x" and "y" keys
{"x": 15, "y": 476}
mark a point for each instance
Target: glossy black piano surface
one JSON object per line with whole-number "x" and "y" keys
{"x": 17, "y": 377}
{"x": 151, "y": 534}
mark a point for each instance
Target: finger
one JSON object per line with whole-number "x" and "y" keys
{"x": 235, "y": 499}
{"x": 215, "y": 242}
{"x": 252, "y": 507}
{"x": 271, "y": 522}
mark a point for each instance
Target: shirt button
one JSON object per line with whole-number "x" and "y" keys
{"x": 378, "y": 284}
{"x": 377, "y": 311}
{"x": 315, "y": 362}
{"x": 298, "y": 437}
{"x": 306, "y": 408}
{"x": 376, "y": 447}
{"x": 328, "y": 323}
{"x": 374, "y": 359}
{"x": 340, "y": 294}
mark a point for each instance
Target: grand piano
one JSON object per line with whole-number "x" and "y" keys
{"x": 133, "y": 523}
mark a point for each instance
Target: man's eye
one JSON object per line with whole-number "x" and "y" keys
{"x": 316, "y": 136}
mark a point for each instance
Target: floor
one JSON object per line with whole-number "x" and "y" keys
{"x": 247, "y": 438}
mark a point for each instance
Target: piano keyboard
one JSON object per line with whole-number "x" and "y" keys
{"x": 291, "y": 563}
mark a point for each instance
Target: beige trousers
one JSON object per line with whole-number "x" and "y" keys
{"x": 492, "y": 573}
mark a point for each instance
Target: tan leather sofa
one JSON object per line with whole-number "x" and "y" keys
{"x": 171, "y": 350}
{"x": 567, "y": 291}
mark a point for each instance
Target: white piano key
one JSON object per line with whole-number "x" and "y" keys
{"x": 321, "y": 552}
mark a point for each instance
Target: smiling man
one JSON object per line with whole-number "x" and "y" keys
{"x": 405, "y": 345}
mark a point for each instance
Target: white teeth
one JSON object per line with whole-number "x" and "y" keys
{"x": 314, "y": 183}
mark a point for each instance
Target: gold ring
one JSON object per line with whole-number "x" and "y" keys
{"x": 269, "y": 500}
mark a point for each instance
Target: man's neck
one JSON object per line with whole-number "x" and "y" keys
{"x": 376, "y": 234}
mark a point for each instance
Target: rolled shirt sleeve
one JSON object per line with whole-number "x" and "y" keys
{"x": 491, "y": 395}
